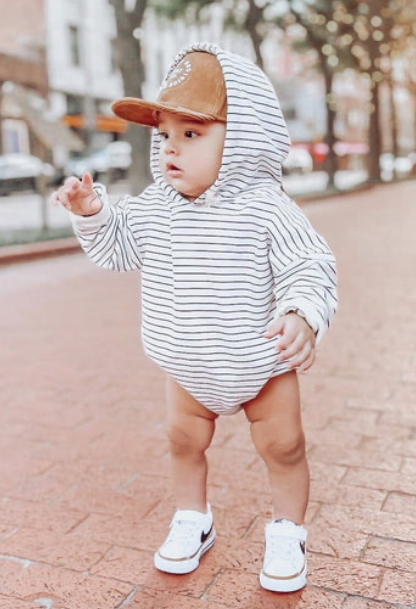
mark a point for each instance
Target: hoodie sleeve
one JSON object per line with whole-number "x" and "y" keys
{"x": 108, "y": 237}
{"x": 304, "y": 269}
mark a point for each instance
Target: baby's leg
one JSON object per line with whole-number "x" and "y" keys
{"x": 190, "y": 430}
{"x": 192, "y": 532}
{"x": 276, "y": 429}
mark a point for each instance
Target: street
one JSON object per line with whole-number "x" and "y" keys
{"x": 85, "y": 497}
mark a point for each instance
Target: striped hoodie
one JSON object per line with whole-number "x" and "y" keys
{"x": 216, "y": 271}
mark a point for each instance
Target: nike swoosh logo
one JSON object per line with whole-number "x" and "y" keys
{"x": 204, "y": 536}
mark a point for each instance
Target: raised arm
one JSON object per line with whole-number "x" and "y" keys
{"x": 106, "y": 233}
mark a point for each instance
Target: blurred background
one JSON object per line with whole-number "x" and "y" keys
{"x": 344, "y": 72}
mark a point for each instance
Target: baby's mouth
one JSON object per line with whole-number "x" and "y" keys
{"x": 173, "y": 169}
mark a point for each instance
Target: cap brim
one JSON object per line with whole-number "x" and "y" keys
{"x": 138, "y": 111}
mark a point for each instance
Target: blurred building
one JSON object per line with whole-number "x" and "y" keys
{"x": 25, "y": 121}
{"x": 83, "y": 77}
{"x": 58, "y": 76}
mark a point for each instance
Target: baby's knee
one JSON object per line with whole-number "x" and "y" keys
{"x": 189, "y": 437}
{"x": 283, "y": 448}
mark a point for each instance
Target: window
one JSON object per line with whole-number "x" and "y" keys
{"x": 74, "y": 104}
{"x": 15, "y": 136}
{"x": 74, "y": 45}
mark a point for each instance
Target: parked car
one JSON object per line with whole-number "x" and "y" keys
{"x": 21, "y": 172}
{"x": 402, "y": 166}
{"x": 115, "y": 158}
{"x": 298, "y": 161}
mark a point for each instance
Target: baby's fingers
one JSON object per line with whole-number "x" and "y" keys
{"x": 274, "y": 328}
{"x": 308, "y": 362}
{"x": 288, "y": 346}
{"x": 302, "y": 357}
{"x": 54, "y": 199}
{"x": 60, "y": 197}
{"x": 71, "y": 186}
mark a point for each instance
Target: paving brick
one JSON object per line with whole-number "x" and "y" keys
{"x": 137, "y": 567}
{"x": 124, "y": 564}
{"x": 14, "y": 603}
{"x": 353, "y": 458}
{"x": 370, "y": 429}
{"x": 391, "y": 553}
{"x": 398, "y": 503}
{"x": 150, "y": 599}
{"x": 69, "y": 551}
{"x": 384, "y": 481}
{"x": 402, "y": 448}
{"x": 244, "y": 499}
{"x": 360, "y": 603}
{"x": 71, "y": 590}
{"x": 337, "y": 437}
{"x": 338, "y": 543}
{"x": 38, "y": 515}
{"x": 382, "y": 524}
{"x": 342, "y": 494}
{"x": 326, "y": 472}
{"x": 235, "y": 589}
{"x": 226, "y": 464}
{"x": 406, "y": 418}
{"x": 398, "y": 587}
{"x": 127, "y": 530}
{"x": 344, "y": 576}
{"x": 408, "y": 466}
{"x": 243, "y": 554}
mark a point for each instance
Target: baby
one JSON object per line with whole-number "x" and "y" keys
{"x": 237, "y": 289}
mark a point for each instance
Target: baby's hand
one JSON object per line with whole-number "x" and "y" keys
{"x": 297, "y": 341}
{"x": 77, "y": 196}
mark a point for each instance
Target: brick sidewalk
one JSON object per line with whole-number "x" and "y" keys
{"x": 85, "y": 495}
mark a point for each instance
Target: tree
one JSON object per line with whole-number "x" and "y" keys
{"x": 246, "y": 17}
{"x": 366, "y": 35}
{"x": 382, "y": 32}
{"x": 257, "y": 19}
{"x": 322, "y": 34}
{"x": 129, "y": 18}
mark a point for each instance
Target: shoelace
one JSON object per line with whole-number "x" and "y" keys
{"x": 282, "y": 548}
{"x": 183, "y": 530}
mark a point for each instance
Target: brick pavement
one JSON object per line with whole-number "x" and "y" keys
{"x": 85, "y": 495}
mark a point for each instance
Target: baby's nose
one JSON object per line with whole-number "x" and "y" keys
{"x": 171, "y": 146}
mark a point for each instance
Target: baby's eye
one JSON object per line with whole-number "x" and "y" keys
{"x": 190, "y": 134}
{"x": 163, "y": 135}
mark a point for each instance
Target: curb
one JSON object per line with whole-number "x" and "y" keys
{"x": 11, "y": 254}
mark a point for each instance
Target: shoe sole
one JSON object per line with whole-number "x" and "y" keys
{"x": 275, "y": 584}
{"x": 180, "y": 567}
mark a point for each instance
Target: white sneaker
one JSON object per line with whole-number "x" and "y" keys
{"x": 191, "y": 534}
{"x": 284, "y": 566}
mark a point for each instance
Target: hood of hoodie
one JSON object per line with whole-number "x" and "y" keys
{"x": 257, "y": 141}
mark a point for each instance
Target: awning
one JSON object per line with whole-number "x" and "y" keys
{"x": 20, "y": 103}
{"x": 102, "y": 123}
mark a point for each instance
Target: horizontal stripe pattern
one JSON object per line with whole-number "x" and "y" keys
{"x": 216, "y": 271}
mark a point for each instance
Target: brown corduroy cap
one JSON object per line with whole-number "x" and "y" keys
{"x": 194, "y": 89}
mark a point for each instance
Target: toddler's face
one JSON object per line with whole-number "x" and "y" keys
{"x": 190, "y": 153}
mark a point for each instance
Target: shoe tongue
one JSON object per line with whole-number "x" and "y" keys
{"x": 289, "y": 529}
{"x": 189, "y": 516}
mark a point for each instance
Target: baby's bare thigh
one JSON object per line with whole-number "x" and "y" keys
{"x": 182, "y": 403}
{"x": 279, "y": 400}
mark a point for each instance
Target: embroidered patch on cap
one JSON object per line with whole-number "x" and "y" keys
{"x": 178, "y": 75}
